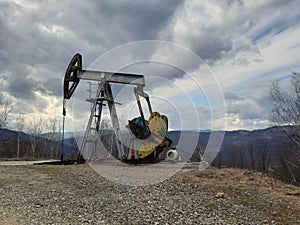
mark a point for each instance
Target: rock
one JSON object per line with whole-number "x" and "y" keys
{"x": 220, "y": 195}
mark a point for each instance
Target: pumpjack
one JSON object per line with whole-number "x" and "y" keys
{"x": 149, "y": 141}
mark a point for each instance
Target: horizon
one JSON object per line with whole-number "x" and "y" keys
{"x": 202, "y": 131}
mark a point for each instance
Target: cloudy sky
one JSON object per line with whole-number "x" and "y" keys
{"x": 208, "y": 64}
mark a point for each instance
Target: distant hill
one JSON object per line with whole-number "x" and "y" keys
{"x": 43, "y": 146}
{"x": 58, "y": 136}
{"x": 234, "y": 143}
{"x": 6, "y": 135}
{"x": 270, "y": 136}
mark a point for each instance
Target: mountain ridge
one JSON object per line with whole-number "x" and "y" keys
{"x": 188, "y": 141}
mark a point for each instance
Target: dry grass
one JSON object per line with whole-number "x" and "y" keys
{"x": 251, "y": 189}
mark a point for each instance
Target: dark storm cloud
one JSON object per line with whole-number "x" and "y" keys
{"x": 139, "y": 19}
{"x": 22, "y": 87}
{"x": 47, "y": 35}
{"x": 54, "y": 87}
{"x": 23, "y": 41}
{"x": 113, "y": 23}
{"x": 211, "y": 44}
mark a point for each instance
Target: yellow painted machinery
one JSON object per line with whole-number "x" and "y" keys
{"x": 149, "y": 147}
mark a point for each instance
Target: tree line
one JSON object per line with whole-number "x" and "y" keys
{"x": 28, "y": 140}
{"x": 283, "y": 160}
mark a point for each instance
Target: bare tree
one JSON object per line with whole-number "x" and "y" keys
{"x": 234, "y": 159}
{"x": 198, "y": 154}
{"x": 107, "y": 136}
{"x": 286, "y": 112}
{"x": 54, "y": 128}
{"x": 286, "y": 107}
{"x": 241, "y": 157}
{"x": 34, "y": 129}
{"x": 20, "y": 126}
{"x": 217, "y": 162}
{"x": 264, "y": 158}
{"x": 252, "y": 157}
{"x": 4, "y": 111}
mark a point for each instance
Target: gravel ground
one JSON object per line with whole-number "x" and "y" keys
{"x": 75, "y": 194}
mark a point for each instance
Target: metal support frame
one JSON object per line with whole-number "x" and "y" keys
{"x": 91, "y": 131}
{"x": 114, "y": 120}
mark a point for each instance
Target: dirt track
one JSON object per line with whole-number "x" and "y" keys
{"x": 77, "y": 195}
